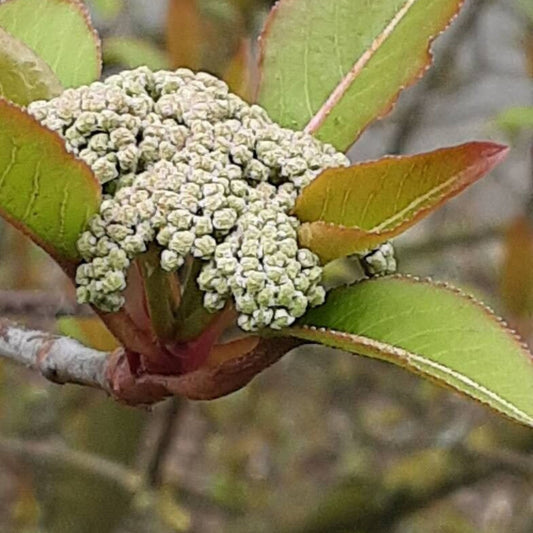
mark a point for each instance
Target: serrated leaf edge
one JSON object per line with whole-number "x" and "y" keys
{"x": 396, "y": 353}
{"x": 325, "y": 110}
{"x": 84, "y": 11}
{"x": 66, "y": 263}
{"x": 459, "y": 186}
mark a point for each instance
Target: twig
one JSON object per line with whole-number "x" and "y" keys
{"x": 509, "y": 460}
{"x": 40, "y": 304}
{"x": 164, "y": 440}
{"x": 55, "y": 451}
{"x": 58, "y": 359}
{"x": 123, "y": 374}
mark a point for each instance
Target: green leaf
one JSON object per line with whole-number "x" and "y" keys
{"x": 132, "y": 53}
{"x": 191, "y": 317}
{"x": 58, "y": 31}
{"x": 162, "y": 292}
{"x": 44, "y": 191}
{"x": 515, "y": 119}
{"x": 352, "y": 209}
{"x": 24, "y": 76}
{"x": 433, "y": 330}
{"x": 337, "y": 66}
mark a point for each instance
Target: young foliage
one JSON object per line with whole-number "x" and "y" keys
{"x": 240, "y": 74}
{"x": 213, "y": 211}
{"x": 433, "y": 330}
{"x": 203, "y": 35}
{"x": 58, "y": 31}
{"x": 44, "y": 191}
{"x": 353, "y": 209}
{"x": 184, "y": 34}
{"x": 334, "y": 67}
{"x": 24, "y": 76}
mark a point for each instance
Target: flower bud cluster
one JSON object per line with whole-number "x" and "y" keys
{"x": 188, "y": 165}
{"x": 271, "y": 279}
{"x": 121, "y": 126}
{"x": 380, "y": 261}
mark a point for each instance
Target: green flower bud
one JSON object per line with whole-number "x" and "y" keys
{"x": 204, "y": 247}
{"x": 181, "y": 242}
{"x": 170, "y": 260}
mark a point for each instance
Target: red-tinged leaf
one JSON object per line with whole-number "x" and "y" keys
{"x": 58, "y": 31}
{"x": 241, "y": 75}
{"x": 44, "y": 190}
{"x": 208, "y": 382}
{"x": 431, "y": 329}
{"x": 349, "y": 210}
{"x": 516, "y": 284}
{"x": 333, "y": 67}
{"x": 203, "y": 36}
{"x": 184, "y": 33}
{"x": 220, "y": 353}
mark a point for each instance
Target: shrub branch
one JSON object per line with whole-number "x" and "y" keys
{"x": 58, "y": 359}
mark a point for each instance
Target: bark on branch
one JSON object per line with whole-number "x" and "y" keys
{"x": 58, "y": 359}
{"x": 65, "y": 360}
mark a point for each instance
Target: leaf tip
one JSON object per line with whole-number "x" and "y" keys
{"x": 495, "y": 151}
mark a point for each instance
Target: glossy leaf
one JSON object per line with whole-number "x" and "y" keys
{"x": 44, "y": 191}
{"x": 24, "y": 76}
{"x": 351, "y": 209}
{"x": 337, "y": 66}
{"x": 58, "y": 31}
{"x": 433, "y": 330}
{"x": 132, "y": 53}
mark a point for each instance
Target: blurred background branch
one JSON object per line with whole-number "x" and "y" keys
{"x": 321, "y": 441}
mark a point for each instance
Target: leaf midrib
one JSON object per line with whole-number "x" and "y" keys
{"x": 347, "y": 81}
{"x": 417, "y": 362}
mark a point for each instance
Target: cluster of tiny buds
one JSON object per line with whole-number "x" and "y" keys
{"x": 191, "y": 168}
{"x": 272, "y": 280}
{"x": 380, "y": 261}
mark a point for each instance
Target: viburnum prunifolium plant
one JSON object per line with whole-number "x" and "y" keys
{"x": 200, "y": 226}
